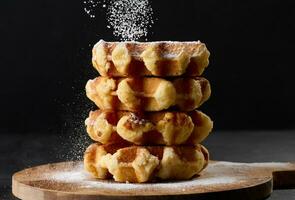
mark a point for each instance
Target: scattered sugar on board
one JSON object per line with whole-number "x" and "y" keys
{"x": 129, "y": 19}
{"x": 79, "y": 176}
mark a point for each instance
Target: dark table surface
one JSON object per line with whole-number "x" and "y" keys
{"x": 18, "y": 151}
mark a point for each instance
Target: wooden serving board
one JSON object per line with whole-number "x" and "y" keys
{"x": 68, "y": 181}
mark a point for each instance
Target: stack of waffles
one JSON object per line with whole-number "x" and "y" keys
{"x": 147, "y": 127}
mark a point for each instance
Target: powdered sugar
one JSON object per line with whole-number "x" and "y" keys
{"x": 77, "y": 175}
{"x": 129, "y": 19}
{"x": 136, "y": 119}
{"x": 89, "y": 7}
{"x": 164, "y": 186}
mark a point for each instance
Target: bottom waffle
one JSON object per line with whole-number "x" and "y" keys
{"x": 139, "y": 164}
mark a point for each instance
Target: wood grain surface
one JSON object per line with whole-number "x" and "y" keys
{"x": 67, "y": 180}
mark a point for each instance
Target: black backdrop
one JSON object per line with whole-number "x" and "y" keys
{"x": 46, "y": 51}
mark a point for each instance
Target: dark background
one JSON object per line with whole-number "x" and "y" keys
{"x": 46, "y": 60}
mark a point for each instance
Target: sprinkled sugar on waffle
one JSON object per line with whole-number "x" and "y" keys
{"x": 163, "y": 58}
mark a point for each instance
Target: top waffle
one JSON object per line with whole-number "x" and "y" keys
{"x": 120, "y": 59}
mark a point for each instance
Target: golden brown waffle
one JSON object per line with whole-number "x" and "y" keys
{"x": 139, "y": 164}
{"x": 148, "y": 128}
{"x": 164, "y": 58}
{"x": 148, "y": 94}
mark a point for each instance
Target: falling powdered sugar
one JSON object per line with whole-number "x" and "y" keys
{"x": 129, "y": 19}
{"x": 90, "y": 7}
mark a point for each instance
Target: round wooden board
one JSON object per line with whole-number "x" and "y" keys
{"x": 67, "y": 180}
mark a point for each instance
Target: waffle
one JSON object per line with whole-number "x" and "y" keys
{"x": 148, "y": 94}
{"x": 118, "y": 59}
{"x": 148, "y": 128}
{"x": 139, "y": 164}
